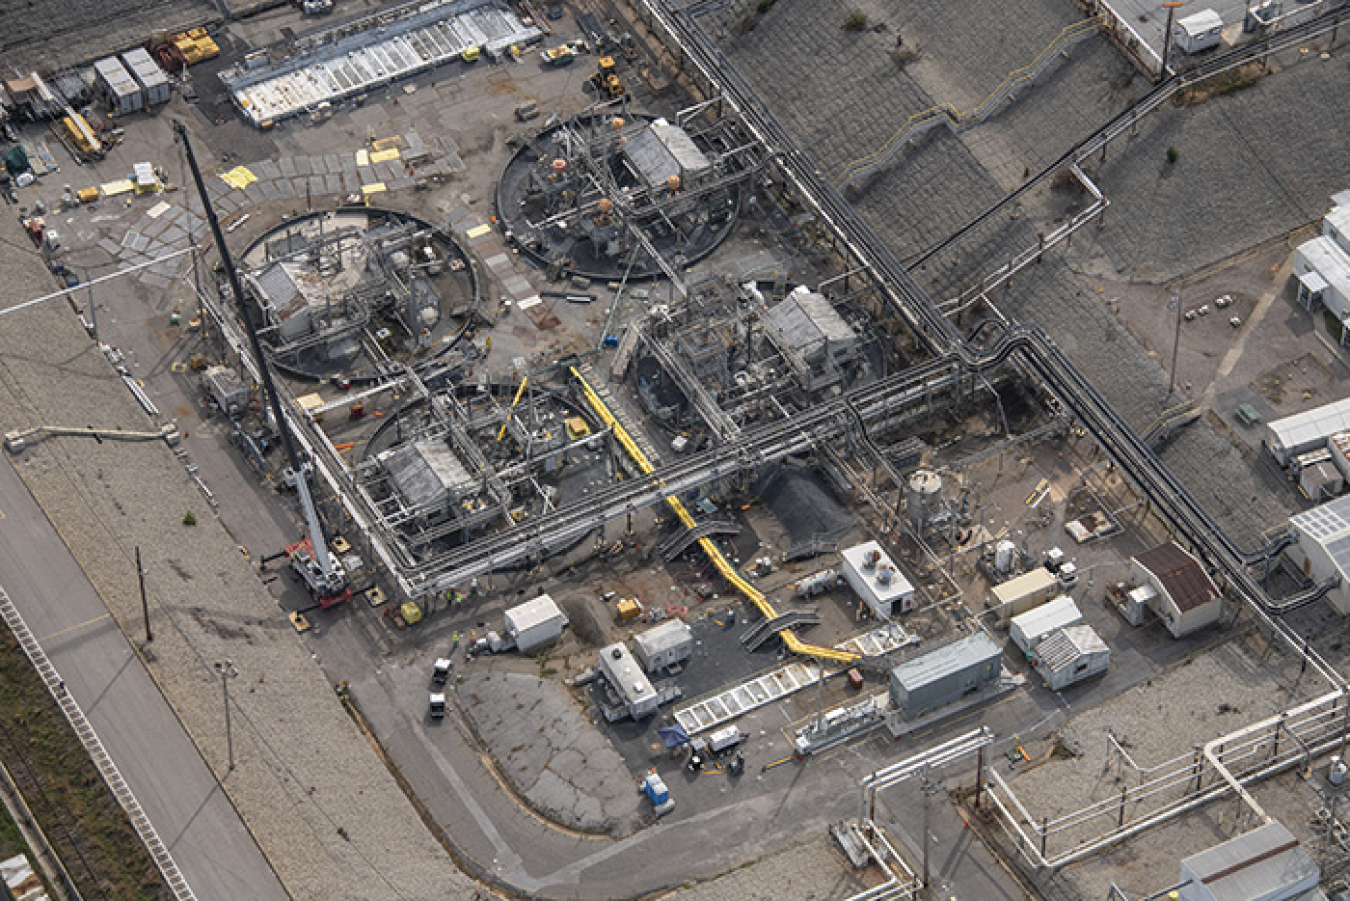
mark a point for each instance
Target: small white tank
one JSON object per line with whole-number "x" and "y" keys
{"x": 1336, "y": 771}
{"x": 1004, "y": 553}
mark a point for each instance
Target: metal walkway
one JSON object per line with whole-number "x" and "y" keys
{"x": 678, "y": 543}
{"x": 97, "y": 753}
{"x": 755, "y": 636}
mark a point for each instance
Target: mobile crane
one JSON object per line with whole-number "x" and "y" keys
{"x": 322, "y": 572}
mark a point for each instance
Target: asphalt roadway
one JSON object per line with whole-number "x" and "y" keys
{"x": 140, "y": 731}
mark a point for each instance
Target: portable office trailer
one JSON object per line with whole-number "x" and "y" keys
{"x": 1031, "y": 589}
{"x": 154, "y": 83}
{"x": 665, "y": 645}
{"x": 624, "y": 675}
{"x": 119, "y": 89}
{"x": 535, "y": 623}
{"x": 941, "y": 677}
{"x": 1028, "y": 629}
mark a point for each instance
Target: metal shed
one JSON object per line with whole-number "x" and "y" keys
{"x": 154, "y": 83}
{"x": 1266, "y": 864}
{"x": 1288, "y": 437}
{"x": 119, "y": 89}
{"x": 1198, "y": 31}
{"x": 665, "y": 645}
{"x": 1030, "y": 628}
{"x": 941, "y": 677}
{"x": 1071, "y": 655}
{"x": 535, "y": 623}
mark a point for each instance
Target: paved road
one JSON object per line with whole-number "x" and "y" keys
{"x": 102, "y": 672}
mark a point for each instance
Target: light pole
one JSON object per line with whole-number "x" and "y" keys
{"x": 1167, "y": 38}
{"x": 227, "y": 672}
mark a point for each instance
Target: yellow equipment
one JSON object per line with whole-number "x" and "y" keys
{"x": 79, "y": 133}
{"x": 606, "y": 78}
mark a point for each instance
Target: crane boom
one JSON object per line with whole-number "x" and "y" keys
{"x": 324, "y": 575}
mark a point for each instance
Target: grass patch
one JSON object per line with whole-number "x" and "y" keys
{"x": 1238, "y": 79}
{"x": 856, "y": 21}
{"x": 87, "y": 828}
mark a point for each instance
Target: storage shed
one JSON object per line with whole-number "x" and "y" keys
{"x": 154, "y": 83}
{"x": 1070, "y": 655}
{"x": 1017, "y": 596}
{"x": 877, "y": 580}
{"x": 1028, "y": 629}
{"x": 1266, "y": 864}
{"x": 1199, "y": 31}
{"x": 663, "y": 646}
{"x": 1293, "y": 435}
{"x": 945, "y": 675}
{"x": 535, "y": 623}
{"x": 1187, "y": 599}
{"x": 630, "y": 683}
{"x": 1321, "y": 549}
{"x": 119, "y": 89}
{"x": 1321, "y": 482}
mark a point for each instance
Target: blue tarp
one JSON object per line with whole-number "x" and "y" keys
{"x": 674, "y": 736}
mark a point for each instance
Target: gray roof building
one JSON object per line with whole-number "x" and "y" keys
{"x": 1266, "y": 864}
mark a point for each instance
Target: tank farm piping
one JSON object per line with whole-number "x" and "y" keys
{"x": 714, "y": 554}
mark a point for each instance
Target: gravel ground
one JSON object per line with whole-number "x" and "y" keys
{"x": 318, "y": 799}
{"x": 811, "y": 871}
{"x": 551, "y": 752}
{"x": 1201, "y": 698}
{"x": 51, "y": 34}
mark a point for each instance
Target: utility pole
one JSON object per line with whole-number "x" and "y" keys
{"x": 1167, "y": 38}
{"x": 1174, "y": 303}
{"x": 145, "y": 605}
{"x": 227, "y": 672}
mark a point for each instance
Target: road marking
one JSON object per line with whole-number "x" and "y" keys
{"x": 89, "y": 622}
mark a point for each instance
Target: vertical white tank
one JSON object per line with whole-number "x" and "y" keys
{"x": 923, "y": 497}
{"x": 1004, "y": 552}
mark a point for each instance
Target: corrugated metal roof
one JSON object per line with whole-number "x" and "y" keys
{"x": 1181, "y": 575}
{"x": 805, "y": 320}
{"x": 1038, "y": 579}
{"x": 426, "y": 472}
{"x": 1258, "y": 864}
{"x": 955, "y": 657}
{"x": 1064, "y": 646}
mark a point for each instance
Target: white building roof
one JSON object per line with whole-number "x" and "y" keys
{"x": 1200, "y": 22}
{"x": 1329, "y": 527}
{"x": 538, "y": 612}
{"x": 1048, "y": 617}
{"x": 898, "y": 587}
{"x": 1329, "y": 260}
{"x": 1336, "y": 225}
{"x": 1309, "y": 426}
{"x": 670, "y": 634}
{"x": 624, "y": 674}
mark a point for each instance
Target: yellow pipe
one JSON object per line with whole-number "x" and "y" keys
{"x": 713, "y": 552}
{"x": 519, "y": 391}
